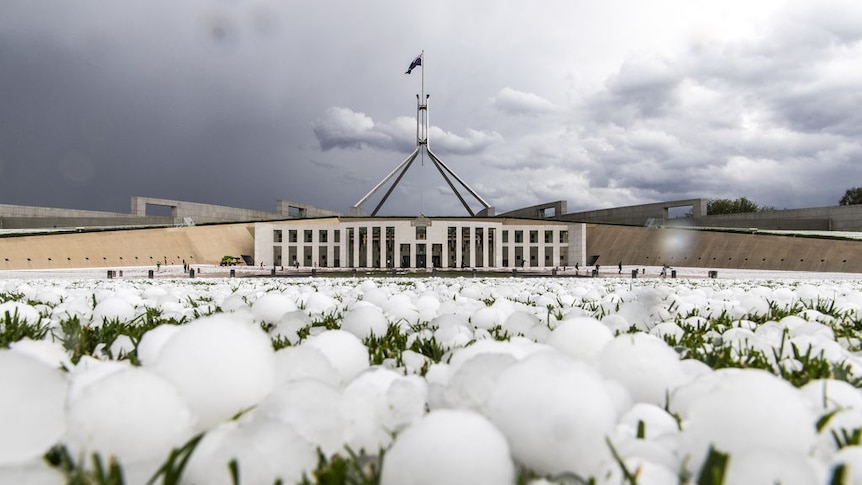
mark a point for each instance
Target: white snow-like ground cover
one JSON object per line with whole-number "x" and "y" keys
{"x": 753, "y": 376}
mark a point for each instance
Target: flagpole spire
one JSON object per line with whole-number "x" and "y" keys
{"x": 422, "y": 147}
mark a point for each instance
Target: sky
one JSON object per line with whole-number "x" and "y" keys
{"x": 601, "y": 104}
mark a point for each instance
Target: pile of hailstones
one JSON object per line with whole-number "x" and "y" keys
{"x": 563, "y": 398}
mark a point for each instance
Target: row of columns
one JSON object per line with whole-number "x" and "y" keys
{"x": 434, "y": 235}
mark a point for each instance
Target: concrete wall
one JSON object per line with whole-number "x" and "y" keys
{"x": 181, "y": 213}
{"x": 637, "y": 215}
{"x": 137, "y": 247}
{"x": 836, "y": 218}
{"x": 558, "y": 208}
{"x": 201, "y": 213}
{"x": 712, "y": 250}
{"x": 291, "y": 209}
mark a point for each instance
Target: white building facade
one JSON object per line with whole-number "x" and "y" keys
{"x": 404, "y": 242}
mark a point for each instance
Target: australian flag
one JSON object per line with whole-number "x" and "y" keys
{"x": 416, "y": 63}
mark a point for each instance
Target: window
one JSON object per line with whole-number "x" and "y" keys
{"x": 336, "y": 236}
{"x": 564, "y": 236}
{"x": 534, "y": 237}
{"x": 519, "y": 237}
{"x": 549, "y": 237}
{"x": 291, "y": 235}
{"x": 276, "y": 236}
{"x": 421, "y": 233}
{"x": 505, "y": 237}
{"x": 308, "y": 234}
{"x": 324, "y": 235}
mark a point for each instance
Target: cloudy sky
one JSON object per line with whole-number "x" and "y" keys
{"x": 602, "y": 104}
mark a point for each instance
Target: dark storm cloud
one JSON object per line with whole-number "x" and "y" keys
{"x": 245, "y": 102}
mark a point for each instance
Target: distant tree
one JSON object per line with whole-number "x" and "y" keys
{"x": 737, "y": 206}
{"x": 852, "y": 197}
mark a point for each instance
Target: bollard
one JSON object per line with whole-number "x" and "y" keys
{"x": 233, "y": 273}
{"x": 433, "y": 271}
{"x": 713, "y": 274}
{"x": 514, "y": 272}
{"x": 474, "y": 272}
{"x": 121, "y": 273}
{"x": 554, "y": 272}
{"x": 673, "y": 273}
{"x": 313, "y": 272}
{"x": 634, "y": 273}
{"x": 595, "y": 273}
{"x": 272, "y": 272}
{"x": 191, "y": 273}
{"x": 150, "y": 274}
{"x": 110, "y": 274}
{"x": 354, "y": 272}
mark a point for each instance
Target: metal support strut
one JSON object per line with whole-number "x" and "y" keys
{"x": 422, "y": 147}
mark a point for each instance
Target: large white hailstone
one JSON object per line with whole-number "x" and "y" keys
{"x": 520, "y": 322}
{"x": 819, "y": 346}
{"x": 451, "y": 447}
{"x": 656, "y": 421}
{"x": 555, "y": 413}
{"x": 50, "y": 353}
{"x": 661, "y": 451}
{"x": 739, "y": 412}
{"x": 134, "y": 414}
{"x": 364, "y": 321}
{"x": 647, "y": 366}
{"x": 122, "y": 346}
{"x": 840, "y": 424}
{"x": 114, "y": 308}
{"x": 304, "y": 362}
{"x": 35, "y": 472}
{"x": 311, "y": 407}
{"x": 437, "y": 377}
{"x": 486, "y": 318}
{"x": 265, "y": 451}
{"x": 31, "y": 407}
{"x": 471, "y": 384}
{"x": 772, "y": 466}
{"x": 347, "y": 354}
{"x": 428, "y": 304}
{"x": 378, "y": 403}
{"x": 616, "y": 323}
{"x": 234, "y": 302}
{"x": 290, "y": 324}
{"x": 454, "y": 336}
{"x": 90, "y": 370}
{"x": 849, "y": 459}
{"x": 221, "y": 365}
{"x": 414, "y": 361}
{"x": 153, "y": 340}
{"x": 582, "y": 338}
{"x": 813, "y": 329}
{"x": 270, "y": 307}
{"x": 646, "y": 471}
{"x": 825, "y": 395}
{"x": 445, "y": 320}
{"x": 49, "y": 296}
{"x": 406, "y": 401}
{"x": 319, "y": 303}
{"x": 667, "y": 329}
{"x": 23, "y": 312}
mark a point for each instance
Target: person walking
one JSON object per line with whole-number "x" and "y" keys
{"x": 621, "y": 267}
